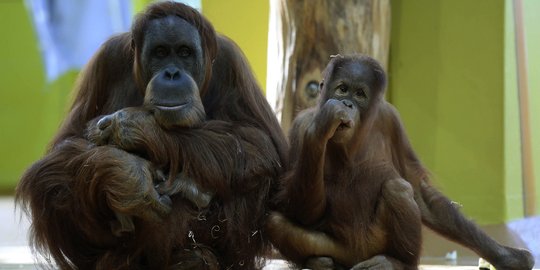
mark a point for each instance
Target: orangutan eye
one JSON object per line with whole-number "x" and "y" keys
{"x": 342, "y": 89}
{"x": 184, "y": 51}
{"x": 360, "y": 94}
{"x": 312, "y": 89}
{"x": 161, "y": 52}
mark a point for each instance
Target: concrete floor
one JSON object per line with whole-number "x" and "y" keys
{"x": 15, "y": 253}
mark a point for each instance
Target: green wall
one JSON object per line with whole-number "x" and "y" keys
{"x": 246, "y": 22}
{"x": 30, "y": 110}
{"x": 453, "y": 78}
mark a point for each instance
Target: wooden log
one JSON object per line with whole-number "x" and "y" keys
{"x": 303, "y": 34}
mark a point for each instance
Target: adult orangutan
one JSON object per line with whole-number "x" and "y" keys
{"x": 357, "y": 192}
{"x": 92, "y": 197}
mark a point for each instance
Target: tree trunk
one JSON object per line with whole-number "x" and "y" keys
{"x": 303, "y": 34}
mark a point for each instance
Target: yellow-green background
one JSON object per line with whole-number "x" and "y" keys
{"x": 452, "y": 77}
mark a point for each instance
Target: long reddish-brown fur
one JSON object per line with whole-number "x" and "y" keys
{"x": 76, "y": 191}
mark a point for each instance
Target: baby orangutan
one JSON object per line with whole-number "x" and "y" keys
{"x": 142, "y": 130}
{"x": 128, "y": 129}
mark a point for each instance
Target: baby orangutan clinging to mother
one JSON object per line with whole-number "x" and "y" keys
{"x": 356, "y": 194}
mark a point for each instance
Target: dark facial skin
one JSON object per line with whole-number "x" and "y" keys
{"x": 347, "y": 94}
{"x": 172, "y": 63}
{"x": 353, "y": 82}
